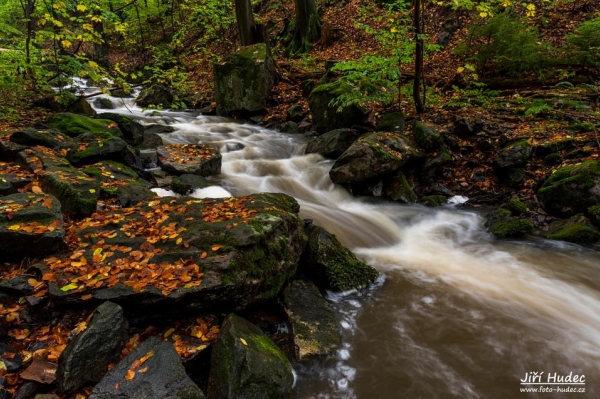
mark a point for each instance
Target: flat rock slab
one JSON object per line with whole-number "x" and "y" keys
{"x": 92, "y": 147}
{"x": 153, "y": 370}
{"x": 13, "y": 177}
{"x": 314, "y": 328}
{"x": 33, "y": 137}
{"x": 196, "y": 159}
{"x": 184, "y": 252}
{"x": 30, "y": 224}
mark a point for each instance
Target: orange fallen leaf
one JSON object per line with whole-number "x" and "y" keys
{"x": 130, "y": 374}
{"x": 204, "y": 255}
{"x": 216, "y": 247}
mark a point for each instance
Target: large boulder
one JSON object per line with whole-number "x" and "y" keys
{"x": 133, "y": 132}
{"x": 244, "y": 79}
{"x": 373, "y": 155}
{"x": 572, "y": 189}
{"x": 88, "y": 354}
{"x": 314, "y": 326}
{"x": 326, "y": 114}
{"x": 247, "y": 364}
{"x": 153, "y": 370}
{"x": 92, "y": 147}
{"x": 33, "y": 137}
{"x": 427, "y": 137}
{"x": 398, "y": 188}
{"x": 73, "y": 125}
{"x": 577, "y": 229}
{"x": 332, "y": 144}
{"x": 182, "y": 253}
{"x": 513, "y": 155}
{"x": 509, "y": 220}
{"x": 330, "y": 265}
{"x": 196, "y": 159}
{"x": 155, "y": 95}
{"x": 30, "y": 224}
{"x": 391, "y": 122}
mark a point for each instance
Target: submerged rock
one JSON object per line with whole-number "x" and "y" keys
{"x": 330, "y": 265}
{"x": 30, "y": 224}
{"x": 247, "y": 364}
{"x": 314, "y": 327}
{"x": 572, "y": 189}
{"x": 196, "y": 159}
{"x": 87, "y": 356}
{"x": 163, "y": 375}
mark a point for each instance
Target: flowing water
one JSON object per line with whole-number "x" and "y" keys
{"x": 456, "y": 314}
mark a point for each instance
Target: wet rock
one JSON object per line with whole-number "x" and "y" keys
{"x": 159, "y": 129}
{"x": 295, "y": 113}
{"x": 289, "y": 127}
{"x": 372, "y": 155}
{"x": 513, "y": 177}
{"x": 155, "y": 95}
{"x": 509, "y": 221}
{"x": 90, "y": 147}
{"x": 304, "y": 126}
{"x": 82, "y": 107}
{"x": 185, "y": 184}
{"x": 10, "y": 357}
{"x": 119, "y": 181}
{"x": 30, "y": 224}
{"x": 165, "y": 377}
{"x": 121, "y": 93}
{"x": 87, "y": 356}
{"x": 330, "y": 265}
{"x": 131, "y": 195}
{"x": 332, "y": 144}
{"x": 314, "y": 327}
{"x": 103, "y": 103}
{"x": 577, "y": 229}
{"x": 73, "y": 125}
{"x": 45, "y": 138}
{"x": 78, "y": 193}
{"x": 325, "y": 115}
{"x": 133, "y": 132}
{"x": 234, "y": 251}
{"x": 427, "y": 137}
{"x": 572, "y": 189}
{"x": 196, "y": 159}
{"x": 391, "y": 122}
{"x": 514, "y": 154}
{"x": 433, "y": 201}
{"x": 15, "y": 179}
{"x": 27, "y": 390}
{"x": 398, "y": 189}
{"x": 247, "y": 364}
{"x": 243, "y": 81}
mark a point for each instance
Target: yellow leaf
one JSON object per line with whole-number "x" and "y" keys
{"x": 81, "y": 7}
{"x": 98, "y": 251}
{"x": 92, "y": 190}
{"x": 244, "y": 342}
{"x": 15, "y": 227}
{"x": 66, "y": 43}
{"x": 68, "y": 287}
{"x": 460, "y": 69}
{"x": 179, "y": 240}
{"x": 394, "y": 30}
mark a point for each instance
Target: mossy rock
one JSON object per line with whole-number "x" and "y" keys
{"x": 30, "y": 225}
{"x": 572, "y": 189}
{"x": 398, "y": 188}
{"x": 73, "y": 125}
{"x": 594, "y": 213}
{"x": 502, "y": 224}
{"x": 89, "y": 148}
{"x": 187, "y": 183}
{"x": 427, "y": 137}
{"x": 577, "y": 229}
{"x": 314, "y": 327}
{"x": 103, "y": 103}
{"x": 245, "y": 363}
{"x": 36, "y": 158}
{"x": 326, "y": 116}
{"x": 45, "y": 138}
{"x": 119, "y": 181}
{"x": 433, "y": 201}
{"x": 513, "y": 155}
{"x": 391, "y": 122}
{"x": 133, "y": 132}
{"x": 330, "y": 265}
{"x": 77, "y": 192}
{"x": 556, "y": 146}
{"x": 332, "y": 144}
{"x": 516, "y": 207}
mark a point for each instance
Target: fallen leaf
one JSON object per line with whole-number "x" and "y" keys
{"x": 41, "y": 371}
{"x": 130, "y": 374}
{"x": 244, "y": 342}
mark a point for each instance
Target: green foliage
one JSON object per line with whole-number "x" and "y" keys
{"x": 476, "y": 94}
{"x": 504, "y": 45}
{"x": 585, "y": 43}
{"x": 538, "y": 108}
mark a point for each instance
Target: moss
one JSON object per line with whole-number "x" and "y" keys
{"x": 502, "y": 224}
{"x": 433, "y": 200}
{"x": 73, "y": 125}
{"x": 264, "y": 344}
{"x": 576, "y": 229}
{"x": 594, "y": 212}
{"x": 515, "y": 207}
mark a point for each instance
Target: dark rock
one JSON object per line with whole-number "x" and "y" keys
{"x": 440, "y": 189}
{"x": 132, "y": 195}
{"x": 73, "y": 125}
{"x": 304, "y": 126}
{"x": 45, "y": 138}
{"x": 465, "y": 128}
{"x": 155, "y": 95}
{"x": 27, "y": 390}
{"x": 295, "y": 113}
{"x": 332, "y": 144}
{"x": 427, "y": 137}
{"x": 82, "y": 107}
{"x": 577, "y": 229}
{"x": 77, "y": 193}
{"x": 330, "y": 265}
{"x": 103, "y": 103}
{"x": 433, "y": 201}
{"x": 572, "y": 189}
{"x": 159, "y": 129}
{"x": 397, "y": 188}
{"x": 501, "y": 223}
{"x": 121, "y": 93}
{"x": 513, "y": 177}
{"x": 91, "y": 147}
{"x": 133, "y": 132}
{"x": 16, "y": 179}
{"x": 165, "y": 377}
{"x": 314, "y": 327}
{"x": 553, "y": 159}
{"x": 326, "y": 116}
{"x": 30, "y": 224}
{"x": 243, "y": 81}
{"x": 247, "y": 364}
{"x": 545, "y": 149}
{"x": 307, "y": 87}
{"x": 372, "y": 155}
{"x": 13, "y": 362}
{"x": 391, "y": 122}
{"x": 36, "y": 158}
{"x": 18, "y": 285}
{"x": 197, "y": 159}
{"x": 185, "y": 184}
{"x": 87, "y": 356}
{"x": 9, "y": 150}
{"x": 119, "y": 181}
{"x": 594, "y": 213}
{"x": 289, "y": 127}
{"x": 515, "y": 154}
{"x": 253, "y": 259}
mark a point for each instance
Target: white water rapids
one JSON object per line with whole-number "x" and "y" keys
{"x": 457, "y": 315}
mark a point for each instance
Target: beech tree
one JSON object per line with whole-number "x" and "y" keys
{"x": 308, "y": 26}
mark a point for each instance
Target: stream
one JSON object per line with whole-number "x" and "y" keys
{"x": 456, "y": 313}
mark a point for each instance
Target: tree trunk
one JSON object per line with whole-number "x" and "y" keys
{"x": 245, "y": 22}
{"x": 28, "y": 9}
{"x": 102, "y": 47}
{"x": 308, "y": 26}
{"x": 419, "y": 105}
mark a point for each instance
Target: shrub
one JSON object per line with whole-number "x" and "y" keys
{"x": 584, "y": 44}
